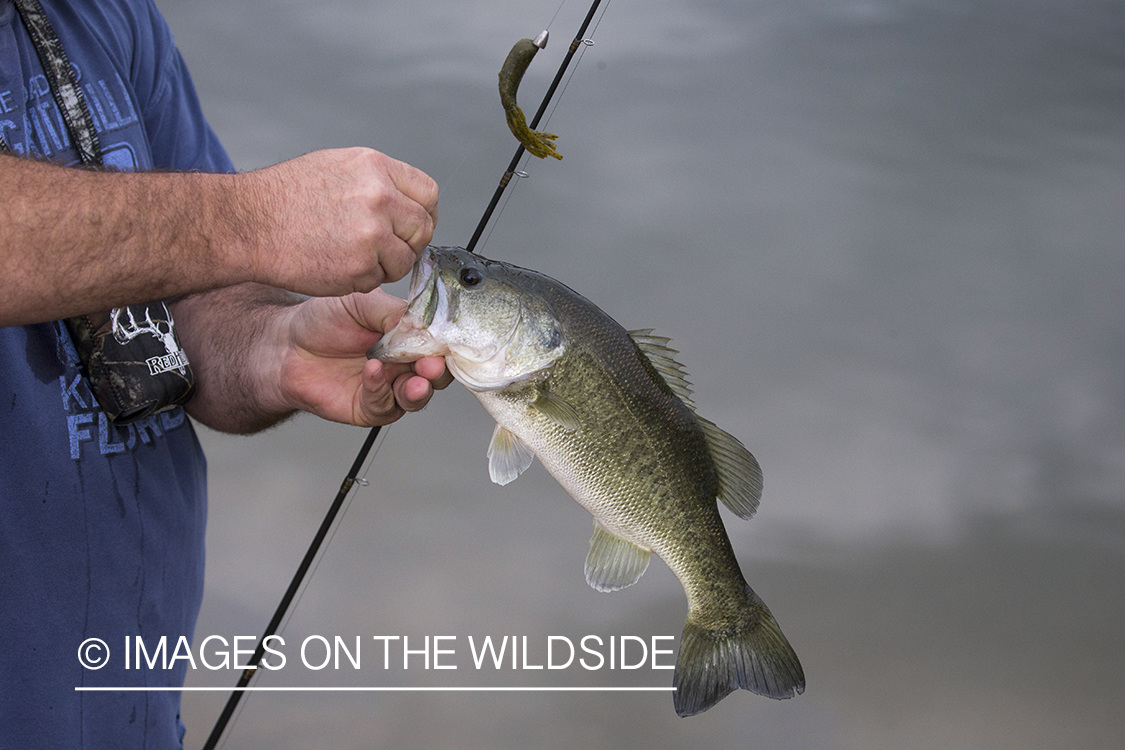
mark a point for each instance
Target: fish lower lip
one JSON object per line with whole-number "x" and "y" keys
{"x": 406, "y": 344}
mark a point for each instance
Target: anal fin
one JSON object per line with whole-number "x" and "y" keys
{"x": 614, "y": 563}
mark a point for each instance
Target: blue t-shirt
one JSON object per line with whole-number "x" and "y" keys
{"x": 101, "y": 527}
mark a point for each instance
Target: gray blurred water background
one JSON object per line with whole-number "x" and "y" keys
{"x": 886, "y": 236}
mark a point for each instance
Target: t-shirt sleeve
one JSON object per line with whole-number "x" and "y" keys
{"x": 178, "y": 133}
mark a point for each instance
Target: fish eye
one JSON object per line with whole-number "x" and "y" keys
{"x": 471, "y": 276}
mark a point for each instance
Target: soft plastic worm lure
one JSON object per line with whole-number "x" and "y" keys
{"x": 537, "y": 142}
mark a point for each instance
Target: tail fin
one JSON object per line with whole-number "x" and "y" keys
{"x": 756, "y": 657}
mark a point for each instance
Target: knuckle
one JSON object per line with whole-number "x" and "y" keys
{"x": 431, "y": 193}
{"x": 398, "y": 264}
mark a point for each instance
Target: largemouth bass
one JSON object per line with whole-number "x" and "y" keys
{"x": 609, "y": 414}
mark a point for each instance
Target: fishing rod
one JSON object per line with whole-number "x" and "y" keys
{"x": 290, "y": 593}
{"x": 352, "y": 478}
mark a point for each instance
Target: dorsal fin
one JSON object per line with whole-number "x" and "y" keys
{"x": 662, "y": 358}
{"x": 740, "y": 477}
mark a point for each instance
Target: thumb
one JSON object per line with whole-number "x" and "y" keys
{"x": 376, "y": 310}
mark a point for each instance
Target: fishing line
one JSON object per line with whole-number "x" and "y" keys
{"x": 586, "y": 42}
{"x": 446, "y": 181}
{"x": 521, "y": 174}
{"x": 557, "y": 10}
{"x": 360, "y": 481}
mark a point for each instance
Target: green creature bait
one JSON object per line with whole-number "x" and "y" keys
{"x": 537, "y": 142}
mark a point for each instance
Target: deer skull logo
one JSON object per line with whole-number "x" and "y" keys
{"x": 162, "y": 328}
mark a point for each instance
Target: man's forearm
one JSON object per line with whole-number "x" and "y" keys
{"x": 78, "y": 241}
{"x": 224, "y": 334}
{"x": 327, "y": 223}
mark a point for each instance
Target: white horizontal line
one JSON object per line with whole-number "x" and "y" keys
{"x": 503, "y": 689}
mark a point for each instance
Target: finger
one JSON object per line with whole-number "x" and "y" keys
{"x": 419, "y": 188}
{"x": 396, "y": 260}
{"x": 404, "y": 232}
{"x": 434, "y": 370}
{"x": 412, "y": 392}
{"x": 413, "y": 225}
{"x": 375, "y": 310}
{"x": 377, "y": 403}
{"x": 416, "y": 185}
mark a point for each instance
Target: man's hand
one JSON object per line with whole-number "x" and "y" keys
{"x": 258, "y": 356}
{"x": 323, "y": 366}
{"x": 340, "y": 221}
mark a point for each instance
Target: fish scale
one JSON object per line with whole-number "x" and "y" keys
{"x": 608, "y": 414}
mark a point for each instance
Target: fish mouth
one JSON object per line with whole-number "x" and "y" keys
{"x": 423, "y": 267}
{"x": 410, "y": 339}
{"x": 425, "y": 297}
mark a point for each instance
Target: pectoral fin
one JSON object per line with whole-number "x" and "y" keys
{"x": 555, "y": 409}
{"x": 613, "y": 562}
{"x": 508, "y": 456}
